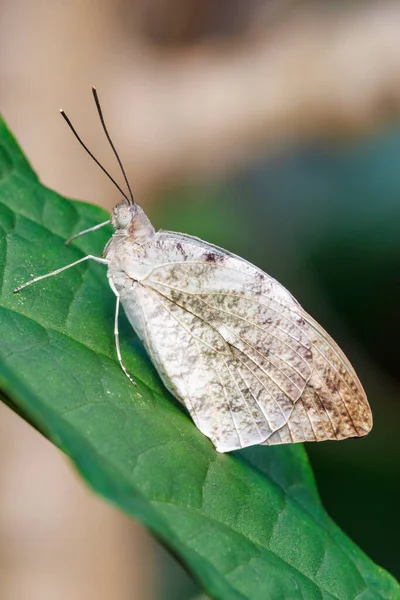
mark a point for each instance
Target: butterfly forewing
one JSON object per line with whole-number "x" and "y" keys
{"x": 237, "y": 349}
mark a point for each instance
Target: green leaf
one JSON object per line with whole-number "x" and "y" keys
{"x": 248, "y": 525}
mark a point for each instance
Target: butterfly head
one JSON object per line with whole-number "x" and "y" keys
{"x": 123, "y": 215}
{"x": 130, "y": 220}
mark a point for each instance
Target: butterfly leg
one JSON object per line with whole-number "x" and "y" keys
{"x": 103, "y": 261}
{"x": 116, "y": 333}
{"x": 85, "y": 231}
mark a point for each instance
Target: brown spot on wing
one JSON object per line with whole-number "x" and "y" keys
{"x": 182, "y": 251}
{"x": 213, "y": 257}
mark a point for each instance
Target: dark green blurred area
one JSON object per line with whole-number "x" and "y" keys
{"x": 325, "y": 221}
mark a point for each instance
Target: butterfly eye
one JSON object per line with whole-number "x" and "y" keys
{"x": 124, "y": 218}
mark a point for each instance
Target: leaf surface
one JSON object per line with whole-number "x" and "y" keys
{"x": 248, "y": 525}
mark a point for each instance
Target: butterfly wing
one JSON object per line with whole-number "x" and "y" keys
{"x": 250, "y": 365}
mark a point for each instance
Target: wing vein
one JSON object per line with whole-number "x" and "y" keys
{"x": 339, "y": 392}
{"x": 214, "y": 308}
{"x": 268, "y": 360}
{"x": 230, "y": 409}
{"x": 244, "y": 399}
{"x": 263, "y": 385}
{"x": 254, "y": 398}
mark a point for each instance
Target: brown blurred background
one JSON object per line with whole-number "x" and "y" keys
{"x": 270, "y": 127}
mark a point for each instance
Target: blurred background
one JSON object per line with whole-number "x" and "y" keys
{"x": 269, "y": 127}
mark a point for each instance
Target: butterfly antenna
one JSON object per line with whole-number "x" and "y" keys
{"x": 92, "y": 155}
{"x": 97, "y": 101}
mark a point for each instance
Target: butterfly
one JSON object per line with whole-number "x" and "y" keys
{"x": 228, "y": 341}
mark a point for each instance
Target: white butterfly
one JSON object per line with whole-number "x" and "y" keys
{"x": 228, "y": 341}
